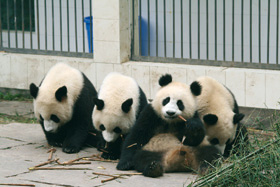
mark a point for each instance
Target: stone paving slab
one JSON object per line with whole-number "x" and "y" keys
{"x": 24, "y": 145}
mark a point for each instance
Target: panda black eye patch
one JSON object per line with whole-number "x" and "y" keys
{"x": 117, "y": 130}
{"x": 55, "y": 118}
{"x": 214, "y": 141}
{"x": 180, "y": 105}
{"x": 102, "y": 127}
{"x": 165, "y": 101}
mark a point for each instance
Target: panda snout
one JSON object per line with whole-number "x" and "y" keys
{"x": 170, "y": 113}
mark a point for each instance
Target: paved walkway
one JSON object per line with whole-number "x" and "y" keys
{"x": 24, "y": 145}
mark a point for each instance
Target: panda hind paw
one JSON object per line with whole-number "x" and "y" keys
{"x": 154, "y": 169}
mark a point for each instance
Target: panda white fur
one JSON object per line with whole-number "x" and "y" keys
{"x": 63, "y": 104}
{"x": 154, "y": 144}
{"x": 219, "y": 111}
{"x": 119, "y": 102}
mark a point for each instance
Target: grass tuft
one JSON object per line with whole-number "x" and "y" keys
{"x": 261, "y": 167}
{"x": 14, "y": 97}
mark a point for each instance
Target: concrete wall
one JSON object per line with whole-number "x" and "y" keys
{"x": 252, "y": 88}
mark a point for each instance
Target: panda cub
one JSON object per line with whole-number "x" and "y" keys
{"x": 119, "y": 103}
{"x": 154, "y": 144}
{"x": 63, "y": 104}
{"x": 219, "y": 111}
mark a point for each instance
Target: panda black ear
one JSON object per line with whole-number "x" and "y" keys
{"x": 165, "y": 79}
{"x": 33, "y": 90}
{"x": 210, "y": 119}
{"x": 127, "y": 105}
{"x": 99, "y": 103}
{"x": 61, "y": 93}
{"x": 237, "y": 118}
{"x": 196, "y": 88}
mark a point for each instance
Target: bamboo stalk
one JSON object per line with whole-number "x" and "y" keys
{"x": 182, "y": 118}
{"x": 100, "y": 160}
{"x": 58, "y": 168}
{"x": 12, "y": 184}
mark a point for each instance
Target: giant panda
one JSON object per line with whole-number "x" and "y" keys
{"x": 119, "y": 103}
{"x": 218, "y": 109}
{"x": 162, "y": 142}
{"x": 63, "y": 104}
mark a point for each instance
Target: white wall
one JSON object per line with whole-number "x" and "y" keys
{"x": 252, "y": 87}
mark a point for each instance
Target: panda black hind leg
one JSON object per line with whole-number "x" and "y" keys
{"x": 148, "y": 162}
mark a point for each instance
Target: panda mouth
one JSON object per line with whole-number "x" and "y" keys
{"x": 171, "y": 117}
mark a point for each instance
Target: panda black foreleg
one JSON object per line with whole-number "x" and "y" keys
{"x": 194, "y": 132}
{"x": 148, "y": 162}
{"x": 113, "y": 150}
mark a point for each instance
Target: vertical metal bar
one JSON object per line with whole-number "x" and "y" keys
{"x": 260, "y": 31}
{"x": 224, "y": 30}
{"x": 232, "y": 30}
{"x": 251, "y": 31}
{"x": 1, "y": 40}
{"x": 133, "y": 29}
{"x": 15, "y": 21}
{"x": 60, "y": 17}
{"x": 30, "y": 25}
{"x": 68, "y": 37}
{"x": 46, "y": 30}
{"x": 164, "y": 24}
{"x": 268, "y": 30}
{"x": 140, "y": 28}
{"x": 242, "y": 34}
{"x": 90, "y": 24}
{"x": 8, "y": 24}
{"x": 76, "y": 36}
{"x": 53, "y": 36}
{"x": 216, "y": 30}
{"x": 207, "y": 30}
{"x": 190, "y": 27}
{"x": 83, "y": 27}
{"x": 38, "y": 31}
{"x": 156, "y": 27}
{"x": 182, "y": 30}
{"x": 148, "y": 5}
{"x": 22, "y": 24}
{"x": 173, "y": 16}
{"x": 198, "y": 29}
{"x": 277, "y": 32}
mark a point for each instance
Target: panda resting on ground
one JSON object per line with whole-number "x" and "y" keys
{"x": 154, "y": 144}
{"x": 218, "y": 109}
{"x": 63, "y": 104}
{"x": 119, "y": 103}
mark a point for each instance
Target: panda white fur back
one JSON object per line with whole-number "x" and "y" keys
{"x": 119, "y": 102}
{"x": 216, "y": 106}
{"x": 63, "y": 104}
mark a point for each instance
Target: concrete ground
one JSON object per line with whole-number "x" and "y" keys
{"x": 24, "y": 145}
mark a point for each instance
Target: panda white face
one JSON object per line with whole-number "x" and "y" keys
{"x": 172, "y": 100}
{"x": 52, "y": 124}
{"x": 110, "y": 135}
{"x": 171, "y": 108}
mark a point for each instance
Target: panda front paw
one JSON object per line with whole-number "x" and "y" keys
{"x": 194, "y": 132}
{"x": 110, "y": 156}
{"x": 55, "y": 144}
{"x": 71, "y": 149}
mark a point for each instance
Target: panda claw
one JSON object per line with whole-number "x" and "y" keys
{"x": 71, "y": 149}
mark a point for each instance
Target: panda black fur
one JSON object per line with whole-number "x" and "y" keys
{"x": 63, "y": 104}
{"x": 219, "y": 111}
{"x": 154, "y": 144}
{"x": 119, "y": 103}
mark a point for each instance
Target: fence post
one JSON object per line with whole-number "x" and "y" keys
{"x": 111, "y": 33}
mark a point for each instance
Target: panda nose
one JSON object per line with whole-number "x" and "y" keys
{"x": 170, "y": 113}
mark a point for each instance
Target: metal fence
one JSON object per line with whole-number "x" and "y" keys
{"x": 235, "y": 33}
{"x": 49, "y": 27}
